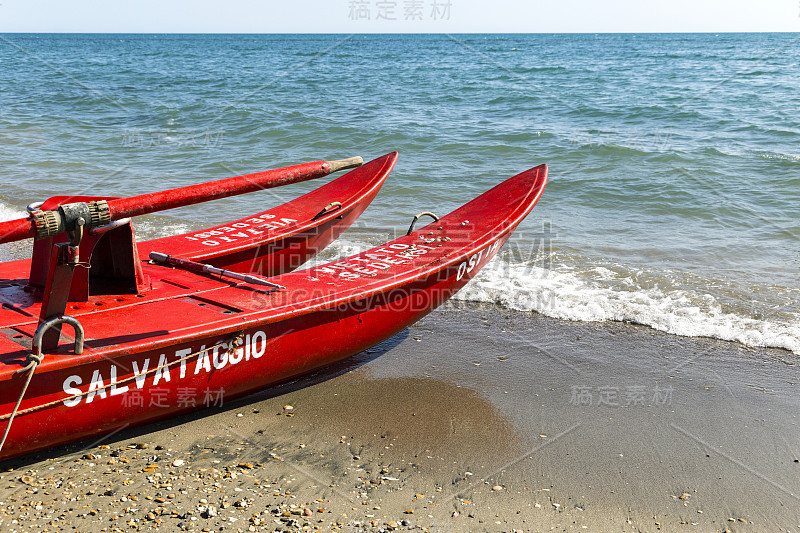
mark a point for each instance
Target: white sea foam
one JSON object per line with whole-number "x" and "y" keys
{"x": 10, "y": 213}
{"x": 582, "y": 296}
{"x": 594, "y": 293}
{"x": 147, "y": 229}
{"x": 13, "y": 250}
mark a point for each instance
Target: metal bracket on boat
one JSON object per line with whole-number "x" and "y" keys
{"x": 49, "y": 223}
{"x": 417, "y": 217}
{"x": 333, "y": 206}
{"x": 73, "y": 250}
{"x": 108, "y": 227}
{"x": 76, "y": 234}
{"x": 42, "y": 329}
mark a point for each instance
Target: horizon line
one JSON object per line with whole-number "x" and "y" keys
{"x": 393, "y": 33}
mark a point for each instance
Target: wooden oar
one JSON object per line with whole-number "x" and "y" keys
{"x": 25, "y": 228}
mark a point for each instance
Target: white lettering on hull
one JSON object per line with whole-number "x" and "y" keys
{"x": 245, "y": 229}
{"x": 143, "y": 375}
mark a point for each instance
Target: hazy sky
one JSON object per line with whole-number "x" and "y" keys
{"x": 367, "y": 16}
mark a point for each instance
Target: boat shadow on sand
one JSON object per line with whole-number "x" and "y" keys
{"x": 314, "y": 377}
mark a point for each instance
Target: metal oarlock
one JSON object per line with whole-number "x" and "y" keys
{"x": 36, "y": 356}
{"x": 417, "y": 217}
{"x": 76, "y": 235}
{"x": 57, "y": 321}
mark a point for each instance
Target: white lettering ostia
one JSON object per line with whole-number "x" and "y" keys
{"x": 467, "y": 266}
{"x": 255, "y": 346}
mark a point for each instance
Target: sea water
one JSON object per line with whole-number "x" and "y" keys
{"x": 674, "y": 192}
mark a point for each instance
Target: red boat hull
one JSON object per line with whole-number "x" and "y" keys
{"x": 150, "y": 367}
{"x": 282, "y": 238}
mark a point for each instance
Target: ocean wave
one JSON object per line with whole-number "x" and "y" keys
{"x": 552, "y": 68}
{"x": 13, "y": 250}
{"x": 603, "y": 149}
{"x": 155, "y": 229}
{"x": 596, "y": 293}
{"x": 10, "y": 213}
{"x": 758, "y": 72}
{"x": 779, "y": 157}
{"x": 578, "y": 296}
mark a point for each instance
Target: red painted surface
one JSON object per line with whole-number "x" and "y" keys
{"x": 326, "y": 313}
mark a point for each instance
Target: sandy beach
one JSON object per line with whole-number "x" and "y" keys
{"x": 475, "y": 419}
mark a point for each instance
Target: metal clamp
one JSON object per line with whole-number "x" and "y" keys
{"x": 108, "y": 227}
{"x": 48, "y": 223}
{"x": 47, "y": 324}
{"x": 417, "y": 217}
{"x": 333, "y": 206}
{"x": 76, "y": 234}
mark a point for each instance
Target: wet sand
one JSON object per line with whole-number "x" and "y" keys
{"x": 475, "y": 419}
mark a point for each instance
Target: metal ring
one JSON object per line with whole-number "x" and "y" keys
{"x": 417, "y": 217}
{"x": 34, "y": 207}
{"x": 64, "y": 319}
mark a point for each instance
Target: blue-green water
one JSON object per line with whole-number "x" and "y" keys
{"x": 674, "y": 194}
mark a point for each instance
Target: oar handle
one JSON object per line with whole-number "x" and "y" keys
{"x": 344, "y": 164}
{"x": 214, "y": 190}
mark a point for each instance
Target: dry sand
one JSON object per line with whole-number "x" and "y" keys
{"x": 475, "y": 419}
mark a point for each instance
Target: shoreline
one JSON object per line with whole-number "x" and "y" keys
{"x": 473, "y": 419}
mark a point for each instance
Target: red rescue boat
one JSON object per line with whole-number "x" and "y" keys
{"x": 194, "y": 339}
